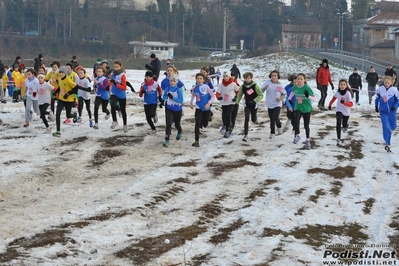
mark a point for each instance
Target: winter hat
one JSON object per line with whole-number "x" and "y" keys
{"x": 63, "y": 69}
{"x": 149, "y": 74}
{"x": 325, "y": 61}
{"x": 153, "y": 55}
{"x": 80, "y": 68}
{"x": 98, "y": 60}
{"x": 40, "y": 56}
{"x": 18, "y": 58}
{"x": 227, "y": 73}
{"x": 41, "y": 75}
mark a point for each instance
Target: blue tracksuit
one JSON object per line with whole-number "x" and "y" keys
{"x": 174, "y": 104}
{"x": 387, "y": 100}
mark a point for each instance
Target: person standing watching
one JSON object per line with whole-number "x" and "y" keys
{"x": 323, "y": 78}
{"x": 355, "y": 82}
{"x": 154, "y": 66}
{"x": 390, "y": 72}
{"x": 38, "y": 62}
{"x": 74, "y": 62}
{"x": 372, "y": 79}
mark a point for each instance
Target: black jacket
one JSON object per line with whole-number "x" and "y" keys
{"x": 355, "y": 81}
{"x": 236, "y": 72}
{"x": 37, "y": 64}
{"x": 372, "y": 78}
{"x": 2, "y": 70}
{"x": 392, "y": 73}
{"x": 154, "y": 66}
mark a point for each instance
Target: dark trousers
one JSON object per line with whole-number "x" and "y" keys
{"x": 306, "y": 122}
{"x": 227, "y": 110}
{"x": 80, "y": 106}
{"x": 43, "y": 113}
{"x": 341, "y": 119}
{"x": 356, "y": 92}
{"x": 323, "y": 90}
{"x": 52, "y": 104}
{"x": 97, "y": 102}
{"x": 274, "y": 119}
{"x": 60, "y": 106}
{"x": 122, "y": 108}
{"x": 172, "y": 117}
{"x": 201, "y": 120}
{"x": 290, "y": 116}
{"x": 234, "y": 116}
{"x": 150, "y": 111}
{"x": 249, "y": 112}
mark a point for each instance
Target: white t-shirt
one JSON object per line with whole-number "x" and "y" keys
{"x": 31, "y": 88}
{"x": 347, "y": 97}
{"x": 227, "y": 93}
{"x": 44, "y": 91}
{"x": 274, "y": 91}
{"x": 85, "y": 83}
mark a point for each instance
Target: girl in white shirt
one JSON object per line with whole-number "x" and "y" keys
{"x": 44, "y": 100}
{"x": 31, "y": 95}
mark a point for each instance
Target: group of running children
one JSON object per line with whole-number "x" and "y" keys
{"x": 64, "y": 85}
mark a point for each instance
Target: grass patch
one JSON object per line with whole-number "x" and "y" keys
{"x": 318, "y": 193}
{"x": 120, "y": 140}
{"x": 225, "y": 232}
{"x": 338, "y": 172}
{"x": 299, "y": 191}
{"x": 336, "y": 189}
{"x": 103, "y": 155}
{"x": 291, "y": 164}
{"x": 218, "y": 168}
{"x": 368, "y": 204}
{"x": 300, "y": 211}
{"x": 260, "y": 191}
{"x": 250, "y": 153}
{"x": 191, "y": 163}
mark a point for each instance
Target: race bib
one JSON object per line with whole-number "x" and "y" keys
{"x": 385, "y": 98}
{"x": 149, "y": 88}
{"x": 299, "y": 99}
{"x": 279, "y": 89}
{"x": 225, "y": 97}
{"x": 198, "y": 97}
{"x": 250, "y": 91}
{"x": 41, "y": 91}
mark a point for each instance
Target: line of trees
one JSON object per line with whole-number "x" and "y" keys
{"x": 257, "y": 22}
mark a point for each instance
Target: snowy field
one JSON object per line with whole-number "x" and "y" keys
{"x": 104, "y": 197}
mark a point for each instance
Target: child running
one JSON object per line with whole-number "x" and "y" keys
{"x": 45, "y": 90}
{"x": 303, "y": 107}
{"x": 252, "y": 95}
{"x": 344, "y": 104}
{"x": 53, "y": 76}
{"x": 226, "y": 94}
{"x": 66, "y": 99}
{"x": 387, "y": 102}
{"x": 274, "y": 93}
{"x": 204, "y": 97}
{"x": 83, "y": 94}
{"x": 174, "y": 100}
{"x": 290, "y": 112}
{"x": 152, "y": 92}
{"x": 118, "y": 94}
{"x": 31, "y": 95}
{"x": 102, "y": 95}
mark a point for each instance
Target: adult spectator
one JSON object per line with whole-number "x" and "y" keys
{"x": 236, "y": 71}
{"x": 355, "y": 82}
{"x": 38, "y": 62}
{"x": 154, "y": 65}
{"x": 74, "y": 62}
{"x": 2, "y": 72}
{"x": 372, "y": 79}
{"x": 390, "y": 72}
{"x": 17, "y": 61}
{"x": 96, "y": 64}
{"x": 323, "y": 78}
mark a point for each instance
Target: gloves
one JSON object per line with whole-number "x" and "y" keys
{"x": 306, "y": 93}
{"x": 342, "y": 101}
{"x": 66, "y": 95}
{"x": 393, "y": 108}
{"x": 332, "y": 87}
{"x": 318, "y": 87}
{"x": 147, "y": 66}
{"x": 113, "y": 81}
{"x": 170, "y": 96}
{"x": 376, "y": 109}
{"x": 160, "y": 99}
{"x": 234, "y": 99}
{"x": 291, "y": 103}
{"x": 144, "y": 92}
{"x": 329, "y": 108}
{"x": 161, "y": 104}
{"x": 220, "y": 98}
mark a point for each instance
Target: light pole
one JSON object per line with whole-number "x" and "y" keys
{"x": 224, "y": 32}
{"x": 183, "y": 29}
{"x": 341, "y": 32}
{"x": 289, "y": 32}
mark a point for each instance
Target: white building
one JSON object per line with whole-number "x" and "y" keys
{"x": 163, "y": 50}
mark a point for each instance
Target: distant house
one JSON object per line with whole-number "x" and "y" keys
{"x": 163, "y": 50}
{"x": 377, "y": 36}
{"x": 301, "y": 36}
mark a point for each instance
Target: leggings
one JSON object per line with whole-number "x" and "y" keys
{"x": 172, "y": 117}
{"x": 43, "y": 113}
{"x": 306, "y": 121}
{"x": 201, "y": 120}
{"x": 80, "y": 106}
{"x": 60, "y": 106}
{"x": 344, "y": 119}
{"x": 150, "y": 111}
{"x": 234, "y": 115}
{"x": 274, "y": 119}
{"x": 227, "y": 111}
{"x": 122, "y": 108}
{"x": 249, "y": 112}
{"x": 97, "y": 102}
